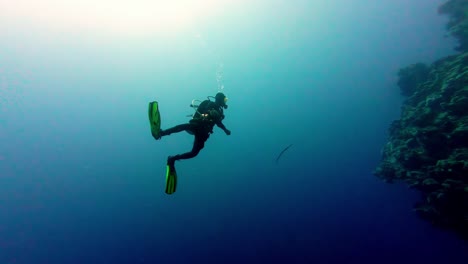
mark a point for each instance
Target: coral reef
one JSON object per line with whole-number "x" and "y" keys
{"x": 411, "y": 77}
{"x": 428, "y": 145}
{"x": 457, "y": 10}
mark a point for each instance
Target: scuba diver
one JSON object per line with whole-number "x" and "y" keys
{"x": 207, "y": 114}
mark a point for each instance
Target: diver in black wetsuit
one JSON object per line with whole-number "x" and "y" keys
{"x": 201, "y": 126}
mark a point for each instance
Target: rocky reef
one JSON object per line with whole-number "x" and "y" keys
{"x": 428, "y": 146}
{"x": 457, "y": 10}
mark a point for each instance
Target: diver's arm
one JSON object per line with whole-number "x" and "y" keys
{"x": 223, "y": 127}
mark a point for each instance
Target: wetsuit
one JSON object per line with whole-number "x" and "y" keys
{"x": 201, "y": 126}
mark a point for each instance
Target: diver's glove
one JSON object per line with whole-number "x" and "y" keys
{"x": 228, "y": 132}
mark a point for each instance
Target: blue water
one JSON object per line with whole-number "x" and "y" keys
{"x": 82, "y": 180}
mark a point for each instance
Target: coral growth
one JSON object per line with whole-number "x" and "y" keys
{"x": 428, "y": 146}
{"x": 457, "y": 26}
{"x": 411, "y": 77}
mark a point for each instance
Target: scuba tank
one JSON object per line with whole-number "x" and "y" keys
{"x": 212, "y": 113}
{"x": 195, "y": 104}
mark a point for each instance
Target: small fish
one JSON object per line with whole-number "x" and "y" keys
{"x": 282, "y": 152}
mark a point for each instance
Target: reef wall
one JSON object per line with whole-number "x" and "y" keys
{"x": 457, "y": 10}
{"x": 428, "y": 146}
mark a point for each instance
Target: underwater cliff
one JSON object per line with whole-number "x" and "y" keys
{"x": 427, "y": 147}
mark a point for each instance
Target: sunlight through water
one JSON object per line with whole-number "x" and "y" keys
{"x": 106, "y": 16}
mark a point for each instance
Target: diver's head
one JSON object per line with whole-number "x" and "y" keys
{"x": 221, "y": 99}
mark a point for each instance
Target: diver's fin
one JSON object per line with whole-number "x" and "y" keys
{"x": 155, "y": 119}
{"x": 171, "y": 179}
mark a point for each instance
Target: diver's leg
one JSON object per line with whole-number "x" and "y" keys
{"x": 176, "y": 129}
{"x": 198, "y": 144}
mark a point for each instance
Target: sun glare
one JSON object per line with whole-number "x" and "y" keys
{"x": 112, "y": 16}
